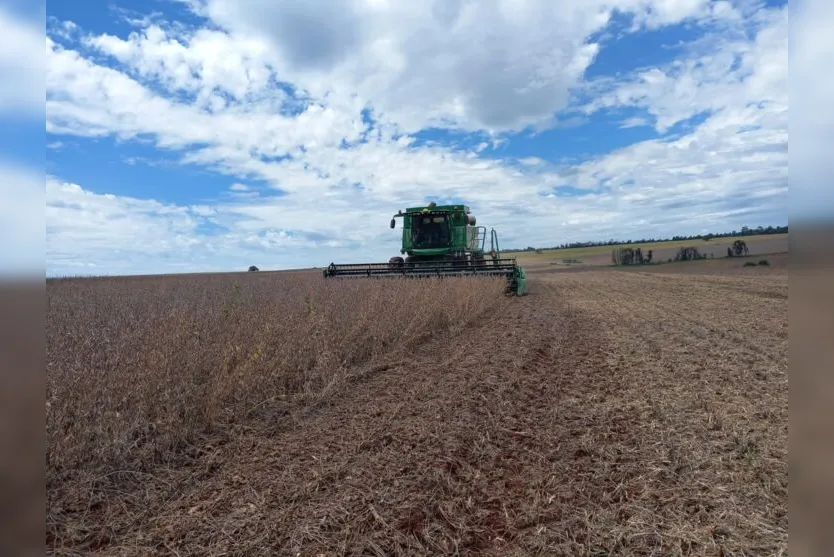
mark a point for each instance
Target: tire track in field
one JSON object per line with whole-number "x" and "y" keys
{"x": 694, "y": 309}
{"x": 711, "y": 377}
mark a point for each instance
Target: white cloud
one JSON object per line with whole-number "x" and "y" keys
{"x": 209, "y": 64}
{"x": 79, "y": 220}
{"x": 90, "y": 100}
{"x": 730, "y": 77}
{"x": 494, "y": 65}
{"x": 634, "y": 122}
{"x": 658, "y": 13}
{"x": 531, "y": 161}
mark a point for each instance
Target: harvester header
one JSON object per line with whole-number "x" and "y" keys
{"x": 440, "y": 240}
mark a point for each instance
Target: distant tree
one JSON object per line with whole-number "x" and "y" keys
{"x": 746, "y": 230}
{"x": 252, "y": 268}
{"x": 740, "y": 248}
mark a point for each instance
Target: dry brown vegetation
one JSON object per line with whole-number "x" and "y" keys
{"x": 608, "y": 412}
{"x": 138, "y": 370}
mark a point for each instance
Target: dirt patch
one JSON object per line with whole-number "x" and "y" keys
{"x": 605, "y": 413}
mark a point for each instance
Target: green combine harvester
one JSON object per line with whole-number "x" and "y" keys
{"x": 441, "y": 240}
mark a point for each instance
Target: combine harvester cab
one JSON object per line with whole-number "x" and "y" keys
{"x": 440, "y": 241}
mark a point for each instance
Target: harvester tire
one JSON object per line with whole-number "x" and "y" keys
{"x": 396, "y": 262}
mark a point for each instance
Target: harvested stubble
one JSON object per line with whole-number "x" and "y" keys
{"x": 608, "y": 413}
{"x": 138, "y": 368}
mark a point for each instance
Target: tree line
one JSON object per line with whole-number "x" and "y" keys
{"x": 745, "y": 231}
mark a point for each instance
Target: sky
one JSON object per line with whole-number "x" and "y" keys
{"x": 210, "y": 135}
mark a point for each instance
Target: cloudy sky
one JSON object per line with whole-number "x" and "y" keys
{"x": 197, "y": 135}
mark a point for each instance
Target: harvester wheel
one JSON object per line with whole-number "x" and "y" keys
{"x": 396, "y": 262}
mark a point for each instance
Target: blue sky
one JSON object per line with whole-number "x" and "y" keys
{"x": 199, "y": 135}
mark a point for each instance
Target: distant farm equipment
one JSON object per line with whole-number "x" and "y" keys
{"x": 738, "y": 249}
{"x": 441, "y": 240}
{"x": 690, "y": 253}
{"x": 631, "y": 256}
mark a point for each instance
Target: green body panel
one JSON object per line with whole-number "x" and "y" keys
{"x": 455, "y": 222}
{"x": 520, "y": 286}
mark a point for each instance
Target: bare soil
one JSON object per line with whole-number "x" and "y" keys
{"x": 606, "y": 413}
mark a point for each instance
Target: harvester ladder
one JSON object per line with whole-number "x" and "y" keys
{"x": 495, "y": 250}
